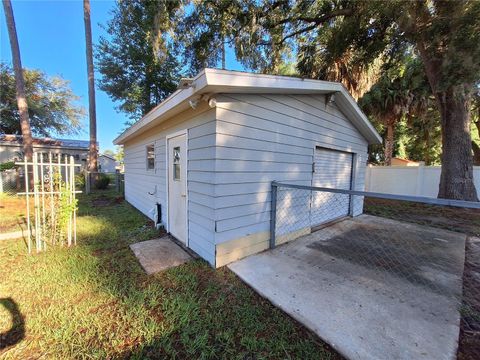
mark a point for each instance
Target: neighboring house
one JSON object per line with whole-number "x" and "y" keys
{"x": 203, "y": 160}
{"x": 396, "y": 161}
{"x": 107, "y": 164}
{"x": 11, "y": 148}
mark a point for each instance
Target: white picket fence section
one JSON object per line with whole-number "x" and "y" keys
{"x": 408, "y": 180}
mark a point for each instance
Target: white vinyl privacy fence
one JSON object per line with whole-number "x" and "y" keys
{"x": 408, "y": 180}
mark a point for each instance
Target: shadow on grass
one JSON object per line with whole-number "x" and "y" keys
{"x": 191, "y": 311}
{"x": 95, "y": 301}
{"x": 17, "y": 332}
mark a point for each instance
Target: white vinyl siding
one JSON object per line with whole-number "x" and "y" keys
{"x": 261, "y": 138}
{"x": 144, "y": 188}
{"x": 235, "y": 151}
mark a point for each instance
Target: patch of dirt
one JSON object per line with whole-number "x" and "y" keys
{"x": 118, "y": 200}
{"x": 469, "y": 344}
{"x": 466, "y": 221}
{"x": 101, "y": 201}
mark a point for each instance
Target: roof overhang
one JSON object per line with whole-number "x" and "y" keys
{"x": 215, "y": 81}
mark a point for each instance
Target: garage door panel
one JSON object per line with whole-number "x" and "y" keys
{"x": 333, "y": 169}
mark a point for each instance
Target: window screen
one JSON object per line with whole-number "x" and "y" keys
{"x": 150, "y": 157}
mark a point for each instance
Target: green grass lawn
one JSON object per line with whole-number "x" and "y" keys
{"x": 95, "y": 301}
{"x": 12, "y": 213}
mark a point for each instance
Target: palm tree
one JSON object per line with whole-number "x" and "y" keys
{"x": 93, "y": 151}
{"x": 387, "y": 102}
{"x": 402, "y": 92}
{"x": 358, "y": 78}
{"x": 20, "y": 83}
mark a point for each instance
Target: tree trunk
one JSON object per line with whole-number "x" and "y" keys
{"x": 456, "y": 179}
{"x": 389, "y": 142}
{"x": 93, "y": 151}
{"x": 20, "y": 84}
{"x": 223, "y": 53}
{"x": 147, "y": 93}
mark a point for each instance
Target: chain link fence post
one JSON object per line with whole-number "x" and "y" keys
{"x": 273, "y": 214}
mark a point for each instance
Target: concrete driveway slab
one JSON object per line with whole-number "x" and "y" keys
{"x": 364, "y": 288}
{"x": 159, "y": 254}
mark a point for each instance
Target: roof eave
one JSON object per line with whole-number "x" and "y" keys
{"x": 218, "y": 81}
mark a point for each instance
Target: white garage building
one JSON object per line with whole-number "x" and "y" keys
{"x": 202, "y": 161}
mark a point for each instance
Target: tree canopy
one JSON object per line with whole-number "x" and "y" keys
{"x": 350, "y": 41}
{"x": 356, "y": 42}
{"x": 52, "y": 105}
{"x": 138, "y": 68}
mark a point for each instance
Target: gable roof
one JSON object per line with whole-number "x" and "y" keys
{"x": 214, "y": 81}
{"x": 107, "y": 156}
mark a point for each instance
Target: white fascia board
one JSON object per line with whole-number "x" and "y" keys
{"x": 163, "y": 110}
{"x": 350, "y": 107}
{"x": 224, "y": 80}
{"x": 213, "y": 81}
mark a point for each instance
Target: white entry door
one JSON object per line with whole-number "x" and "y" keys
{"x": 333, "y": 169}
{"x": 177, "y": 186}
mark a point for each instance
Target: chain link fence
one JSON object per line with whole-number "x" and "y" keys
{"x": 11, "y": 181}
{"x": 12, "y": 207}
{"x": 430, "y": 248}
{"x": 101, "y": 181}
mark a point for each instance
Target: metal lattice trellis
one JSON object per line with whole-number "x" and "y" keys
{"x": 50, "y": 200}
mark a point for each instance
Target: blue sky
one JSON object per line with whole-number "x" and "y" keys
{"x": 51, "y": 38}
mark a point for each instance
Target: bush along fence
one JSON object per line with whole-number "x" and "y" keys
{"x": 95, "y": 181}
{"x": 51, "y": 203}
{"x": 422, "y": 252}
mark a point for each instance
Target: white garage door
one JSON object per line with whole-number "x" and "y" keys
{"x": 333, "y": 169}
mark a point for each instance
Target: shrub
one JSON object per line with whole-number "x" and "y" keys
{"x": 7, "y": 165}
{"x": 80, "y": 181}
{"x": 102, "y": 182}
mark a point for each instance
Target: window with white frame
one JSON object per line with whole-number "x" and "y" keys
{"x": 176, "y": 163}
{"x": 150, "y": 157}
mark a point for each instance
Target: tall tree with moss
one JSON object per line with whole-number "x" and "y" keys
{"x": 137, "y": 62}
{"x": 20, "y": 82}
{"x": 444, "y": 34}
